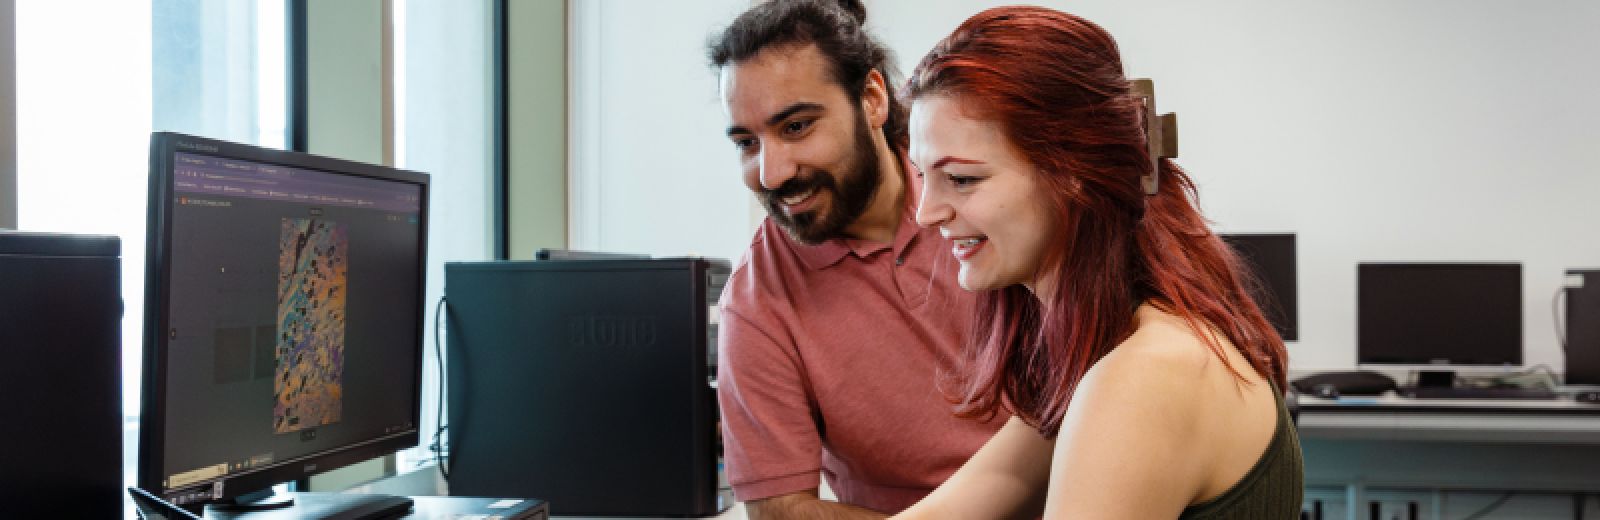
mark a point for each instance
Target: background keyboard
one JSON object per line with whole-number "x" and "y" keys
{"x": 1480, "y": 393}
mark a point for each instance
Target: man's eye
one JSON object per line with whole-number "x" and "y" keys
{"x": 795, "y": 127}
{"x": 743, "y": 143}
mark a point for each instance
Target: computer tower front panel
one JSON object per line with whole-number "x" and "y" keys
{"x": 1583, "y": 327}
{"x": 60, "y": 331}
{"x": 583, "y": 383}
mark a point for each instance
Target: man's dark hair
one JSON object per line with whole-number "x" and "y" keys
{"x": 835, "y": 27}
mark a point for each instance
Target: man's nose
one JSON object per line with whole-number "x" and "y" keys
{"x": 776, "y": 166}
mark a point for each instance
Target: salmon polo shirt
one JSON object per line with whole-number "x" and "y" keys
{"x": 830, "y": 360}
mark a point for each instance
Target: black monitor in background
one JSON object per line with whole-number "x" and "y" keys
{"x": 283, "y": 317}
{"x": 1271, "y": 258}
{"x": 1439, "y": 316}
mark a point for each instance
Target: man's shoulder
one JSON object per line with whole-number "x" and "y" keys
{"x": 767, "y": 261}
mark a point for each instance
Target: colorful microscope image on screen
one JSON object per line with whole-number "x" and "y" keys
{"x": 308, "y": 384}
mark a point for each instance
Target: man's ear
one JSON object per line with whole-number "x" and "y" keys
{"x": 875, "y": 100}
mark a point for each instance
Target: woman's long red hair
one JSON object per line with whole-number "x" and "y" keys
{"x": 1054, "y": 84}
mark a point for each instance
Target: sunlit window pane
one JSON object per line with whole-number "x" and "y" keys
{"x": 443, "y": 128}
{"x": 83, "y": 127}
{"x": 95, "y": 78}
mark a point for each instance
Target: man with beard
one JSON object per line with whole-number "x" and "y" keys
{"x": 842, "y": 315}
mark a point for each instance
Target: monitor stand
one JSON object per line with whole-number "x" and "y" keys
{"x": 263, "y": 500}
{"x": 1436, "y": 379}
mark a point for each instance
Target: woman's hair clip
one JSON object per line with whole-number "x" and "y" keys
{"x": 1161, "y": 132}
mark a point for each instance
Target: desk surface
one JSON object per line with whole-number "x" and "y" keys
{"x": 1392, "y": 417}
{"x": 423, "y": 507}
{"x": 427, "y": 481}
{"x": 1487, "y": 444}
{"x": 1391, "y": 401}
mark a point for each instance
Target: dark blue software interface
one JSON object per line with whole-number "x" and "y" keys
{"x": 292, "y": 327}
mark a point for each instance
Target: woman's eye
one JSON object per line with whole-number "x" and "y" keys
{"x": 961, "y": 181}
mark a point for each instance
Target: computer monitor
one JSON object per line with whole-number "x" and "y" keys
{"x": 1439, "y": 316}
{"x": 283, "y": 325}
{"x": 1271, "y": 259}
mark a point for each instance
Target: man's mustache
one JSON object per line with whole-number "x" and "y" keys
{"x": 797, "y": 186}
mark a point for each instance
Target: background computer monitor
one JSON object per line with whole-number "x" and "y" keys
{"x": 1271, "y": 258}
{"x": 1445, "y": 315}
{"x": 283, "y": 318}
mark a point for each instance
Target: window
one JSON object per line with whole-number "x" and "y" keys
{"x": 94, "y": 81}
{"x": 443, "y": 127}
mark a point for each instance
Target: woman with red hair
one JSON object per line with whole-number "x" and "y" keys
{"x": 1114, "y": 326}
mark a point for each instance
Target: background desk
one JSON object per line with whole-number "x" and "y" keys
{"x": 427, "y": 482}
{"x": 1394, "y": 442}
{"x": 423, "y": 508}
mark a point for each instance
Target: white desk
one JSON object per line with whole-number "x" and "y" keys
{"x": 1392, "y": 417}
{"x": 1449, "y": 444}
{"x": 427, "y": 482}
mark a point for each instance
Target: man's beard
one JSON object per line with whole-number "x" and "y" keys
{"x": 850, "y": 193}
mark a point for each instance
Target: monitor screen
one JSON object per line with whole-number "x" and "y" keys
{"x": 1271, "y": 259}
{"x": 1439, "y": 314}
{"x": 284, "y": 323}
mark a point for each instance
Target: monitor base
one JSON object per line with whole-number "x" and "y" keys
{"x": 263, "y": 500}
{"x": 1436, "y": 379}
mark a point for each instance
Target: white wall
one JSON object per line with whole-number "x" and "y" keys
{"x": 8, "y": 114}
{"x": 652, "y": 170}
{"x": 1423, "y": 130}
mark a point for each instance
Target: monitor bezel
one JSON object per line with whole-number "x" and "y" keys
{"x": 1291, "y": 331}
{"x": 153, "y": 419}
{"x": 1450, "y": 365}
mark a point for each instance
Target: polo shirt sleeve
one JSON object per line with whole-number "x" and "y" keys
{"x": 771, "y": 445}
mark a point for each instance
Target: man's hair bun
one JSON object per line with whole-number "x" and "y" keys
{"x": 856, "y": 10}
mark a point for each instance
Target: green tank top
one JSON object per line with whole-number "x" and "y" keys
{"x": 1272, "y": 490}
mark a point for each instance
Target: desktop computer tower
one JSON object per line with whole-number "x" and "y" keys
{"x": 1583, "y": 326}
{"x": 60, "y": 331}
{"x": 585, "y": 383}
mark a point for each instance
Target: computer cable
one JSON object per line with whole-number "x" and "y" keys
{"x": 440, "y": 458}
{"x": 1491, "y": 507}
{"x": 1537, "y": 376}
{"x": 1552, "y": 379}
{"x": 1555, "y": 314}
